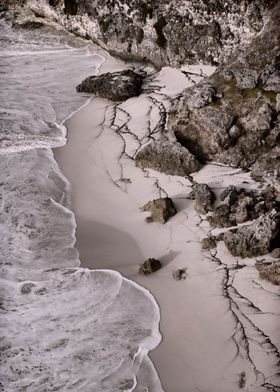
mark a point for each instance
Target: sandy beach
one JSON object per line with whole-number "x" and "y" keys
{"x": 201, "y": 336}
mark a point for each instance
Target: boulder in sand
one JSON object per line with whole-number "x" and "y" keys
{"x": 204, "y": 198}
{"x": 269, "y": 271}
{"x": 161, "y": 210}
{"x": 149, "y": 266}
{"x": 116, "y": 86}
{"x": 167, "y": 157}
{"x": 255, "y": 239}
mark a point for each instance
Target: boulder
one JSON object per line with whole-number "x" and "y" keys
{"x": 255, "y": 239}
{"x": 161, "y": 210}
{"x": 268, "y": 165}
{"x": 208, "y": 243}
{"x": 116, "y": 86}
{"x": 149, "y": 266}
{"x": 269, "y": 271}
{"x": 180, "y": 274}
{"x": 275, "y": 253}
{"x": 168, "y": 157}
{"x": 204, "y": 198}
{"x": 222, "y": 217}
{"x": 230, "y": 195}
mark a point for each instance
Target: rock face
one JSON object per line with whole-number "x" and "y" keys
{"x": 116, "y": 86}
{"x": 149, "y": 266}
{"x": 204, "y": 198}
{"x": 167, "y": 157}
{"x": 240, "y": 123}
{"x": 168, "y": 32}
{"x": 255, "y": 239}
{"x": 161, "y": 210}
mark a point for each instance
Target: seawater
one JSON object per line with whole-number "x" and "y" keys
{"x": 63, "y": 328}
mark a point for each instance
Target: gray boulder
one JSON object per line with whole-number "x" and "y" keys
{"x": 116, "y": 86}
{"x": 167, "y": 157}
{"x": 201, "y": 95}
{"x": 268, "y": 165}
{"x": 204, "y": 198}
{"x": 269, "y": 271}
{"x": 149, "y": 266}
{"x": 255, "y": 239}
{"x": 222, "y": 217}
{"x": 161, "y": 210}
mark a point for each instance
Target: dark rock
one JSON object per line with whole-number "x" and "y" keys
{"x": 116, "y": 86}
{"x": 255, "y": 239}
{"x": 270, "y": 272}
{"x": 204, "y": 198}
{"x": 180, "y": 274}
{"x": 208, "y": 243}
{"x": 242, "y": 212}
{"x": 222, "y": 217}
{"x": 149, "y": 266}
{"x": 161, "y": 210}
{"x": 167, "y": 157}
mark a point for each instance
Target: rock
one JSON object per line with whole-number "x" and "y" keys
{"x": 116, "y": 86}
{"x": 167, "y": 157}
{"x": 204, "y": 198}
{"x": 180, "y": 274}
{"x": 270, "y": 272}
{"x": 161, "y": 210}
{"x": 230, "y": 194}
{"x": 219, "y": 237}
{"x": 275, "y": 253}
{"x": 273, "y": 82}
{"x": 201, "y": 95}
{"x": 149, "y": 266}
{"x": 208, "y": 243}
{"x": 242, "y": 211}
{"x": 26, "y": 288}
{"x": 255, "y": 239}
{"x": 277, "y": 103}
{"x": 268, "y": 165}
{"x": 222, "y": 217}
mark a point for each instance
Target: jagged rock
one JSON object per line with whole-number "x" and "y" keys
{"x": 204, "y": 198}
{"x": 116, "y": 86}
{"x": 167, "y": 157}
{"x": 161, "y": 210}
{"x": 270, "y": 272}
{"x": 208, "y": 243}
{"x": 149, "y": 266}
{"x": 255, "y": 239}
{"x": 201, "y": 95}
{"x": 222, "y": 217}
{"x": 268, "y": 165}
{"x": 180, "y": 274}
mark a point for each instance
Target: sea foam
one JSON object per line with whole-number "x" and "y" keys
{"x": 64, "y": 327}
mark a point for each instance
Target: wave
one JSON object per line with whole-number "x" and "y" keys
{"x": 64, "y": 327}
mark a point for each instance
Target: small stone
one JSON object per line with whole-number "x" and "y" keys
{"x": 180, "y": 274}
{"x": 161, "y": 210}
{"x": 204, "y": 198}
{"x": 149, "y": 266}
{"x": 208, "y": 243}
{"x": 222, "y": 217}
{"x": 275, "y": 253}
{"x": 26, "y": 288}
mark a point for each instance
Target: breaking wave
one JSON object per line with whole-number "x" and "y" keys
{"x": 64, "y": 327}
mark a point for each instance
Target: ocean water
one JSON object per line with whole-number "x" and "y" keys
{"x": 63, "y": 327}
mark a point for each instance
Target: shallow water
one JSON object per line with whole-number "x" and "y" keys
{"x": 64, "y": 327}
